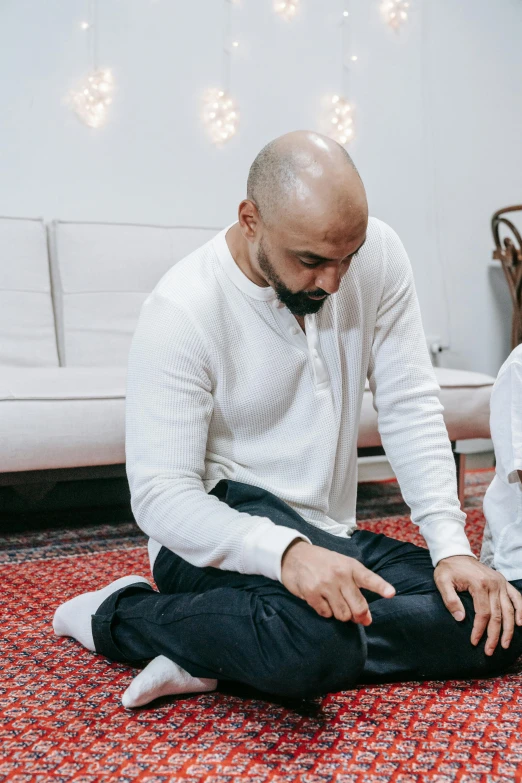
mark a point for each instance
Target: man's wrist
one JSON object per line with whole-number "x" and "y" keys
{"x": 263, "y": 547}
{"x": 451, "y": 557}
{"x": 292, "y": 546}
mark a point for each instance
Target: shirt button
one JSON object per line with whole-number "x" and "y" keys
{"x": 316, "y": 354}
{"x": 294, "y": 330}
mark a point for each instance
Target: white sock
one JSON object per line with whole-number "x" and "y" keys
{"x": 73, "y": 618}
{"x": 163, "y": 677}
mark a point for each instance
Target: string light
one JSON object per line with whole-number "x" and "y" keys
{"x": 341, "y": 120}
{"x": 90, "y": 100}
{"x": 338, "y": 118}
{"x": 220, "y": 113}
{"x": 395, "y": 12}
{"x": 286, "y": 9}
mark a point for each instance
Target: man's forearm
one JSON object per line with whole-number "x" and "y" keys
{"x": 411, "y": 425}
{"x": 205, "y": 531}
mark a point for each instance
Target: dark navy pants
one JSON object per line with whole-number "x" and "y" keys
{"x": 251, "y": 629}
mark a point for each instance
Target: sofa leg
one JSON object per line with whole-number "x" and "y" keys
{"x": 460, "y": 464}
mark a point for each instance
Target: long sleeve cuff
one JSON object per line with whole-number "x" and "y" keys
{"x": 445, "y": 538}
{"x": 264, "y": 548}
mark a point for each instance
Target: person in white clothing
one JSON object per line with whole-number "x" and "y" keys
{"x": 502, "y": 543}
{"x": 245, "y": 383}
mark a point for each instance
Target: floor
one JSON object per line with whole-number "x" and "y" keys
{"x": 61, "y": 717}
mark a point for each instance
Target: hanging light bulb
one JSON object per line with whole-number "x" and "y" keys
{"x": 338, "y": 120}
{"x": 337, "y": 116}
{"x": 92, "y": 97}
{"x": 220, "y": 116}
{"x": 286, "y": 8}
{"x": 395, "y": 12}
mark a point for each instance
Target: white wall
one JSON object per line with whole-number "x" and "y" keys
{"x": 439, "y": 116}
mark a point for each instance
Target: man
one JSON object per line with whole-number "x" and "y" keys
{"x": 245, "y": 382}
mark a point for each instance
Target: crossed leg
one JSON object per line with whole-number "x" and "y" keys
{"x": 222, "y": 625}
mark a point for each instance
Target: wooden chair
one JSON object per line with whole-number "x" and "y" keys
{"x": 508, "y": 250}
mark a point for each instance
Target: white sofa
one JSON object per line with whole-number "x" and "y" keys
{"x": 70, "y": 295}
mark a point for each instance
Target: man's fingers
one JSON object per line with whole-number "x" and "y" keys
{"x": 495, "y": 601}
{"x": 321, "y": 606}
{"x": 451, "y": 600}
{"x": 508, "y": 619}
{"x": 482, "y": 607}
{"x": 342, "y": 609}
{"x": 494, "y": 623}
{"x": 516, "y": 600}
{"x": 363, "y": 577}
{"x": 357, "y": 603}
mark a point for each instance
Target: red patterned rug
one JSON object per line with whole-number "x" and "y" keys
{"x": 62, "y": 718}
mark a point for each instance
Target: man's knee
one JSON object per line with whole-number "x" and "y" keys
{"x": 459, "y": 658}
{"x": 473, "y": 660}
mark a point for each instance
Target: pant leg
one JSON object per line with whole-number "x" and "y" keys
{"x": 231, "y": 626}
{"x": 413, "y": 636}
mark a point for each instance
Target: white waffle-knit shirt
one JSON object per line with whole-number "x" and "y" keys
{"x": 224, "y": 384}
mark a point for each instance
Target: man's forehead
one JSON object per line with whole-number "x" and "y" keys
{"x": 313, "y": 231}
{"x": 324, "y": 239}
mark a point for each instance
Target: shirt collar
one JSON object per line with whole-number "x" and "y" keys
{"x": 233, "y": 271}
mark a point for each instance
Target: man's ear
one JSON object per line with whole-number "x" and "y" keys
{"x": 249, "y": 219}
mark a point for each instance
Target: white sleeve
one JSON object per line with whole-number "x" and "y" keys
{"x": 406, "y": 398}
{"x": 506, "y": 421}
{"x": 169, "y": 406}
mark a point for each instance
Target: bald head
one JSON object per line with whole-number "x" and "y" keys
{"x": 304, "y": 219}
{"x": 304, "y": 173}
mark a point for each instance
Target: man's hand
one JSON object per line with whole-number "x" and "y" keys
{"x": 330, "y": 582}
{"x": 496, "y": 601}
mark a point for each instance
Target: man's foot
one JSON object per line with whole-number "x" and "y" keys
{"x": 163, "y": 677}
{"x": 73, "y": 618}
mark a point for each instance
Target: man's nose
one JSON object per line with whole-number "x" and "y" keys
{"x": 329, "y": 280}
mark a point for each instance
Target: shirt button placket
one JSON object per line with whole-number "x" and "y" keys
{"x": 320, "y": 373}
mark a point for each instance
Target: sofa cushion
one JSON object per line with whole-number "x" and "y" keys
{"x": 61, "y": 417}
{"x": 465, "y": 397}
{"x": 101, "y": 274}
{"x": 27, "y": 334}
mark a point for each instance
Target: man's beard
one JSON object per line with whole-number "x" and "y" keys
{"x": 299, "y": 304}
